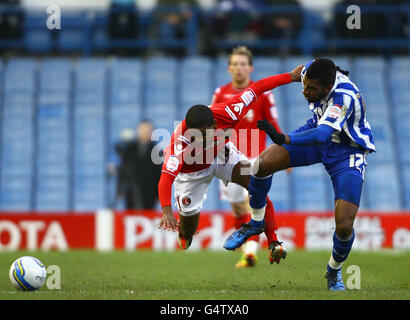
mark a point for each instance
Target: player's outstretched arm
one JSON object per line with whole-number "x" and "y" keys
{"x": 269, "y": 83}
{"x": 168, "y": 220}
{"x": 318, "y": 135}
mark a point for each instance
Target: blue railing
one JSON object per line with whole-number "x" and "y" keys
{"x": 89, "y": 31}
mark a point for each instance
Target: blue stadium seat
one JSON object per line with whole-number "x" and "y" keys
{"x": 309, "y": 188}
{"x": 375, "y": 65}
{"x": 57, "y": 79}
{"x": 400, "y": 63}
{"x": 19, "y": 75}
{"x": 61, "y": 168}
{"x": 265, "y": 67}
{"x": 161, "y": 92}
{"x": 126, "y": 82}
{"x": 45, "y": 158}
{"x": 280, "y": 191}
{"x": 15, "y": 193}
{"x": 21, "y": 64}
{"x": 404, "y": 154}
{"x": 406, "y": 186}
{"x": 58, "y": 96}
{"x": 48, "y": 111}
{"x": 212, "y": 200}
{"x": 292, "y": 62}
{"x": 17, "y": 168}
{"x": 52, "y": 193}
{"x": 89, "y": 193}
{"x": 38, "y": 40}
{"x": 297, "y": 116}
{"x": 382, "y": 187}
{"x": 383, "y": 137}
{"x": 281, "y": 107}
{"x": 195, "y": 83}
{"x": 162, "y": 115}
{"x": 90, "y": 76}
{"x": 13, "y": 97}
{"x": 343, "y": 62}
{"x": 164, "y": 65}
{"x": 100, "y": 37}
{"x": 221, "y": 73}
{"x": 84, "y": 168}
{"x": 70, "y": 39}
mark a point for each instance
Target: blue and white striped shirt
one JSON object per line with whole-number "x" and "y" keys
{"x": 344, "y": 110}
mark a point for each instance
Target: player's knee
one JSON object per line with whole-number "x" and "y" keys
{"x": 272, "y": 160}
{"x": 260, "y": 168}
{"x": 240, "y": 208}
{"x": 344, "y": 231}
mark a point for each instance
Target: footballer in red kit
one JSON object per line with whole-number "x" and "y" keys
{"x": 249, "y": 140}
{"x": 200, "y": 150}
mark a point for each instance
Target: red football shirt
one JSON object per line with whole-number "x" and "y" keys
{"x": 263, "y": 108}
{"x": 178, "y": 154}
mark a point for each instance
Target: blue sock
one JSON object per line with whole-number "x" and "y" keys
{"x": 258, "y": 191}
{"x": 341, "y": 247}
{"x": 256, "y": 224}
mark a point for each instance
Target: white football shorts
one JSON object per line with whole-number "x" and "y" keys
{"x": 233, "y": 192}
{"x": 190, "y": 189}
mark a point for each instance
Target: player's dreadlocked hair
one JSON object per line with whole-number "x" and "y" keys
{"x": 324, "y": 70}
{"x": 199, "y": 116}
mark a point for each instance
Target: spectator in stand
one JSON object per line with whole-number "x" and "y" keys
{"x": 285, "y": 25}
{"x": 11, "y": 23}
{"x": 372, "y": 25}
{"x": 171, "y": 21}
{"x": 138, "y": 176}
{"x": 236, "y": 19}
{"x": 123, "y": 19}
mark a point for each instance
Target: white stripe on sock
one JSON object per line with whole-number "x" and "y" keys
{"x": 334, "y": 264}
{"x": 258, "y": 214}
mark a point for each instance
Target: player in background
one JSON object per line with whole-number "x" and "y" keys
{"x": 339, "y": 136}
{"x": 240, "y": 66}
{"x": 200, "y": 150}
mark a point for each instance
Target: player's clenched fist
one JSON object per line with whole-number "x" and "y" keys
{"x": 295, "y": 73}
{"x": 168, "y": 221}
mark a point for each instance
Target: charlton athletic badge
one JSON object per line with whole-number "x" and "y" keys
{"x": 186, "y": 201}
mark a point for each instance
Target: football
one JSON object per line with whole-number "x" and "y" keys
{"x": 27, "y": 273}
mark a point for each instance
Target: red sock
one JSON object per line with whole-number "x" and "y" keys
{"x": 244, "y": 218}
{"x": 271, "y": 227}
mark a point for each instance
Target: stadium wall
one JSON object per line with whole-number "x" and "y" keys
{"x": 108, "y": 230}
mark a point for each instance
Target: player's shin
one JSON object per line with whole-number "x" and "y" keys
{"x": 341, "y": 250}
{"x": 187, "y": 228}
{"x": 270, "y": 223}
{"x": 258, "y": 191}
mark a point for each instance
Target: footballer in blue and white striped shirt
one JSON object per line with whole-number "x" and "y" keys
{"x": 339, "y": 136}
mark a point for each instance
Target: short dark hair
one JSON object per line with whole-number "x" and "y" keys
{"x": 199, "y": 116}
{"x": 324, "y": 70}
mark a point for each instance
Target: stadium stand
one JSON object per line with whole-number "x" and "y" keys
{"x": 60, "y": 120}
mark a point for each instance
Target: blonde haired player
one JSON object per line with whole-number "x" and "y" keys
{"x": 250, "y": 141}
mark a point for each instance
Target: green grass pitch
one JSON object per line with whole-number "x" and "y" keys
{"x": 196, "y": 275}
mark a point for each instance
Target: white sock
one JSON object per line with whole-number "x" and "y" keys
{"x": 334, "y": 264}
{"x": 250, "y": 246}
{"x": 258, "y": 214}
